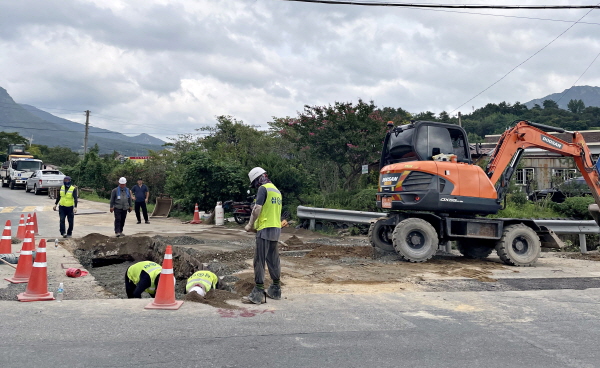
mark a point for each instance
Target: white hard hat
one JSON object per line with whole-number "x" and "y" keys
{"x": 122, "y": 181}
{"x": 255, "y": 173}
{"x": 199, "y": 290}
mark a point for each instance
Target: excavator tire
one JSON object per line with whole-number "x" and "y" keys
{"x": 380, "y": 236}
{"x": 415, "y": 240}
{"x": 519, "y": 246}
{"x": 475, "y": 248}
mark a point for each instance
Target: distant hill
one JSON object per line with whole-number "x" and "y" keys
{"x": 589, "y": 95}
{"x": 53, "y": 131}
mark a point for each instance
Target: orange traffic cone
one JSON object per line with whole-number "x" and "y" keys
{"x": 196, "y": 219}
{"x": 35, "y": 224}
{"x": 21, "y": 228}
{"x": 5, "y": 243}
{"x": 30, "y": 225}
{"x": 165, "y": 291}
{"x": 24, "y": 266}
{"x": 37, "y": 288}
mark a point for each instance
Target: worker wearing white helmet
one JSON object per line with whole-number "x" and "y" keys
{"x": 265, "y": 220}
{"x": 201, "y": 282}
{"x": 120, "y": 204}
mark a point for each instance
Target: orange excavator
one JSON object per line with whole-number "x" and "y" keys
{"x": 435, "y": 193}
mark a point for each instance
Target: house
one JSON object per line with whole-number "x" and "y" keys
{"x": 546, "y": 169}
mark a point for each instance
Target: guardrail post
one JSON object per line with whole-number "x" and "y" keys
{"x": 312, "y": 225}
{"x": 582, "y": 244}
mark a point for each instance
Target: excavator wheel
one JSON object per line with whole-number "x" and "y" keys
{"x": 519, "y": 246}
{"x": 380, "y": 236}
{"x": 415, "y": 240}
{"x": 475, "y": 248}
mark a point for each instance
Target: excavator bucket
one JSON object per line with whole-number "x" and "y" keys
{"x": 595, "y": 212}
{"x": 163, "y": 206}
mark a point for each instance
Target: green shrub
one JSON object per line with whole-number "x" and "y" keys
{"x": 575, "y": 207}
{"x": 364, "y": 200}
{"x": 528, "y": 211}
{"x": 518, "y": 198}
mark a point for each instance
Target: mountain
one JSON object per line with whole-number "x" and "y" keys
{"x": 589, "y": 95}
{"x": 53, "y": 131}
{"x": 104, "y": 133}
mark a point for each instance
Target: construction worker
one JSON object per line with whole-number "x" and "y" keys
{"x": 202, "y": 282}
{"x": 265, "y": 220}
{"x": 120, "y": 204}
{"x": 140, "y": 277}
{"x": 67, "y": 206}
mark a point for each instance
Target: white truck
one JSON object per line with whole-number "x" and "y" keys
{"x": 19, "y": 167}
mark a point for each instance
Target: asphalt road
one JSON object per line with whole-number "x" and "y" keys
{"x": 461, "y": 329}
{"x": 13, "y": 203}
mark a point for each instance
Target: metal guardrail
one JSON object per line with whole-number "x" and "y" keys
{"x": 579, "y": 227}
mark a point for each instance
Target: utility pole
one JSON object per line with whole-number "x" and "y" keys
{"x": 459, "y": 121}
{"x": 87, "y": 128}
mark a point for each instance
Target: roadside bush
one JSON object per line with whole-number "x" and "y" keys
{"x": 575, "y": 207}
{"x": 199, "y": 179}
{"x": 364, "y": 200}
{"x": 518, "y": 198}
{"x": 528, "y": 210}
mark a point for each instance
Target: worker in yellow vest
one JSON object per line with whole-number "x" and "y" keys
{"x": 265, "y": 220}
{"x": 67, "y": 206}
{"x": 140, "y": 277}
{"x": 201, "y": 282}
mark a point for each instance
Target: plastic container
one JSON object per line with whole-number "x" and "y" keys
{"x": 60, "y": 292}
{"x": 55, "y": 243}
{"x": 219, "y": 215}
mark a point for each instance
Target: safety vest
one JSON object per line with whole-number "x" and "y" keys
{"x": 206, "y": 278}
{"x": 66, "y": 197}
{"x": 151, "y": 268}
{"x": 270, "y": 215}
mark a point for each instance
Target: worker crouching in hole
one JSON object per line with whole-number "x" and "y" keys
{"x": 140, "y": 277}
{"x": 201, "y": 282}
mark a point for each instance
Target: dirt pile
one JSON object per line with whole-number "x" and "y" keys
{"x": 336, "y": 252}
{"x": 294, "y": 241}
{"x": 215, "y": 298}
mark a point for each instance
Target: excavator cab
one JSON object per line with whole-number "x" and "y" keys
{"x": 424, "y": 140}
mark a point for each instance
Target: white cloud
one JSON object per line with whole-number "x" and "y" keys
{"x": 169, "y": 67}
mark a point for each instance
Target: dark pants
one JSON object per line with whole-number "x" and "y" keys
{"x": 66, "y": 212}
{"x": 141, "y": 205}
{"x": 266, "y": 252}
{"x": 120, "y": 216}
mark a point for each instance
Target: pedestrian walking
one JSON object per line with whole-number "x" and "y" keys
{"x": 140, "y": 194}
{"x": 265, "y": 220}
{"x": 67, "y": 206}
{"x": 120, "y": 204}
{"x": 140, "y": 277}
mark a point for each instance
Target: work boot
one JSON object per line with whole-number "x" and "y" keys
{"x": 256, "y": 296}
{"x": 274, "y": 291}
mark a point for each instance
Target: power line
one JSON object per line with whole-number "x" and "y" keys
{"x": 446, "y": 6}
{"x": 524, "y": 61}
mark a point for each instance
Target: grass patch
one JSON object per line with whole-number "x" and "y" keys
{"x": 526, "y": 211}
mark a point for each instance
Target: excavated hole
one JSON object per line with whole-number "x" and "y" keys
{"x": 108, "y": 258}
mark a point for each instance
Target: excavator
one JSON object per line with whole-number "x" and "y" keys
{"x": 435, "y": 193}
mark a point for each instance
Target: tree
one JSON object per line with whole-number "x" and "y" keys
{"x": 444, "y": 117}
{"x": 550, "y": 104}
{"x": 9, "y": 138}
{"x": 337, "y": 138}
{"x": 576, "y": 106}
{"x": 61, "y": 156}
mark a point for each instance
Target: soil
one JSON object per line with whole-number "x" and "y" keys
{"x": 591, "y": 256}
{"x": 337, "y": 252}
{"x": 214, "y": 298}
{"x": 323, "y": 265}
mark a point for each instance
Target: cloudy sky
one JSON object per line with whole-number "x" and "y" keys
{"x": 168, "y": 67}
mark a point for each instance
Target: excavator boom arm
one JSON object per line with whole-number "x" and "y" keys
{"x": 528, "y": 135}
